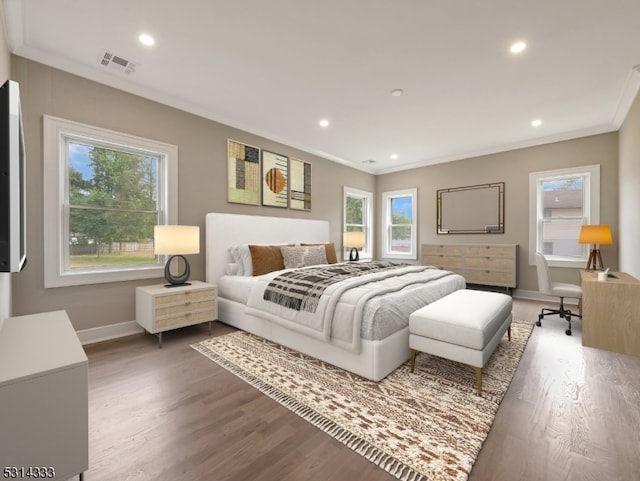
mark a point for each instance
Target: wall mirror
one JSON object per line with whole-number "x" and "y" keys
{"x": 475, "y": 209}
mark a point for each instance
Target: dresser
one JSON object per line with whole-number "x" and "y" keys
{"x": 481, "y": 264}
{"x": 611, "y": 312}
{"x": 160, "y": 308}
{"x": 44, "y": 398}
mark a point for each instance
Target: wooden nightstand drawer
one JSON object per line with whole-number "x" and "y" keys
{"x": 189, "y": 306}
{"x": 186, "y": 296}
{"x": 184, "y": 319}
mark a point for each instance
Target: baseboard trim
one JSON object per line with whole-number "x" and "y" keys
{"x": 107, "y": 333}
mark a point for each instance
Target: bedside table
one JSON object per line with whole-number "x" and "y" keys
{"x": 160, "y": 308}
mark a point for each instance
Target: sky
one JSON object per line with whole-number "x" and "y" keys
{"x": 402, "y": 204}
{"x": 79, "y": 159}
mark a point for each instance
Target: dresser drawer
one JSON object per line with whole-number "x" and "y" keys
{"x": 436, "y": 249}
{"x": 442, "y": 261}
{"x": 489, "y": 250}
{"x": 489, "y": 278}
{"x": 489, "y": 262}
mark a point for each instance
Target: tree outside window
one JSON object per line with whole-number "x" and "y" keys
{"x": 112, "y": 206}
{"x": 357, "y": 217}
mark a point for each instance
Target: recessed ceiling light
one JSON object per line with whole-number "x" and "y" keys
{"x": 324, "y": 123}
{"x": 146, "y": 39}
{"x": 369, "y": 161}
{"x": 394, "y": 156}
{"x": 518, "y": 47}
{"x": 397, "y": 92}
{"x": 536, "y": 123}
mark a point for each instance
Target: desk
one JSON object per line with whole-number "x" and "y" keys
{"x": 611, "y": 312}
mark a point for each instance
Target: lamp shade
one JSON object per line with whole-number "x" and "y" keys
{"x": 595, "y": 234}
{"x": 176, "y": 239}
{"x": 354, "y": 239}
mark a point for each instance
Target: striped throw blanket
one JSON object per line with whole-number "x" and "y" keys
{"x": 301, "y": 289}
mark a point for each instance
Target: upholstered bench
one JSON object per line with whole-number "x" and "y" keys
{"x": 465, "y": 326}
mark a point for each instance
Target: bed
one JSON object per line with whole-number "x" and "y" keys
{"x": 347, "y": 331}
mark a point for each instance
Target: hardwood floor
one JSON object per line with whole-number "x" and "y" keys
{"x": 571, "y": 413}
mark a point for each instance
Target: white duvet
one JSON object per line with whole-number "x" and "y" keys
{"x": 370, "y": 306}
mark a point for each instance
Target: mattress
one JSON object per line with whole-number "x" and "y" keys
{"x": 236, "y": 288}
{"x": 382, "y": 314}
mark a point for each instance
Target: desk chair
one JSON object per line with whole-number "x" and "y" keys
{"x": 557, "y": 289}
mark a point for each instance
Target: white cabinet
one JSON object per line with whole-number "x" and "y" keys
{"x": 483, "y": 264}
{"x": 44, "y": 410}
{"x": 160, "y": 308}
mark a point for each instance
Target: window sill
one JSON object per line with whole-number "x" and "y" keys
{"x": 101, "y": 277}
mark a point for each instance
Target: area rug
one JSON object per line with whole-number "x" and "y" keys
{"x": 423, "y": 426}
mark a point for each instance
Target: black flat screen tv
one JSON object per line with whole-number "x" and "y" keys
{"x": 13, "y": 241}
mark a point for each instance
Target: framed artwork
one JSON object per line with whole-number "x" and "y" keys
{"x": 275, "y": 174}
{"x": 300, "y": 184}
{"x": 243, "y": 173}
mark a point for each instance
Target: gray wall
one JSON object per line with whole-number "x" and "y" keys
{"x": 202, "y": 171}
{"x": 630, "y": 191}
{"x": 513, "y": 168}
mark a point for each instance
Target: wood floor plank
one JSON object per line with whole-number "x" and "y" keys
{"x": 571, "y": 413}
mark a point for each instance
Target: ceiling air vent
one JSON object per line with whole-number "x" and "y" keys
{"x": 117, "y": 63}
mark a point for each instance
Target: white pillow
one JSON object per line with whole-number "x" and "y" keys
{"x": 235, "y": 258}
{"x": 232, "y": 269}
{"x": 244, "y": 259}
{"x": 303, "y": 256}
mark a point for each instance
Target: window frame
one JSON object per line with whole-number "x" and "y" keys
{"x": 367, "y": 251}
{"x": 387, "y": 197}
{"x": 591, "y": 209}
{"x": 56, "y": 131}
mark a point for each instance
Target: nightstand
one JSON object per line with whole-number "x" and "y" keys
{"x": 160, "y": 308}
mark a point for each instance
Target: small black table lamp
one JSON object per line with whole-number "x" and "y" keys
{"x": 176, "y": 241}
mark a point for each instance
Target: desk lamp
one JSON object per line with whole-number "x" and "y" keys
{"x": 176, "y": 241}
{"x": 595, "y": 234}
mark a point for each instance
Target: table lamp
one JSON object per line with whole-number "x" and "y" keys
{"x": 595, "y": 234}
{"x": 354, "y": 241}
{"x": 176, "y": 241}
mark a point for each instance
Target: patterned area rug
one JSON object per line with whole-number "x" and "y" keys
{"x": 426, "y": 425}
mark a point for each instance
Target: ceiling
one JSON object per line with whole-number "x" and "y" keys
{"x": 276, "y": 68}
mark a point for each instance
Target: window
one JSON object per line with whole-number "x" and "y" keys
{"x": 358, "y": 212}
{"x": 560, "y": 202}
{"x": 399, "y": 234}
{"x": 104, "y": 192}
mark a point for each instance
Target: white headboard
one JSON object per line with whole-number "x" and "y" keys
{"x": 227, "y": 230}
